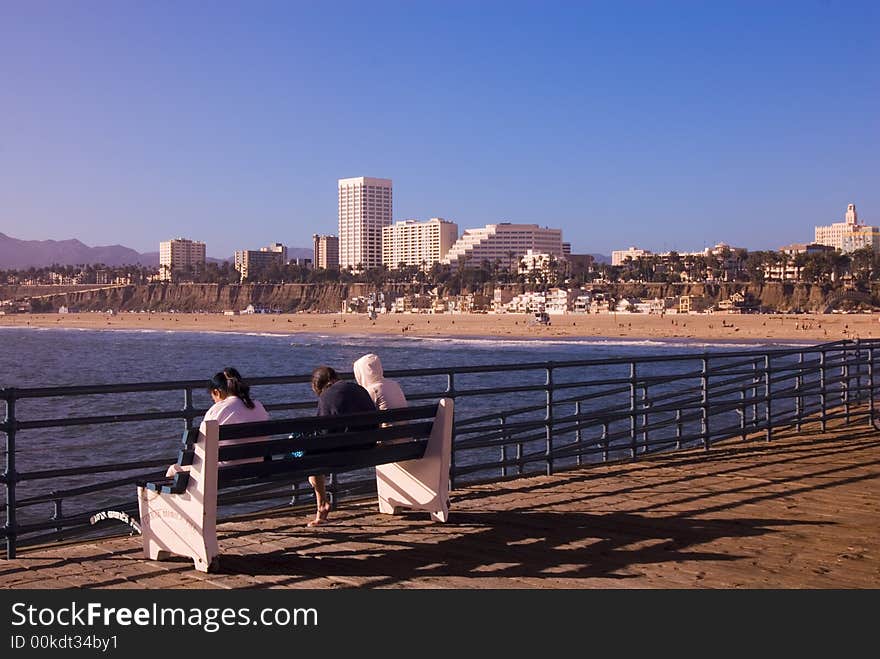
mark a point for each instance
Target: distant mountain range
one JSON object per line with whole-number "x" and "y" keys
{"x": 17, "y": 254}
{"x": 601, "y": 258}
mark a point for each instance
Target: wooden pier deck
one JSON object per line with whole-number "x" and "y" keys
{"x": 800, "y": 512}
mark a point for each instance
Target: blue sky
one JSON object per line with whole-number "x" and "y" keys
{"x": 668, "y": 125}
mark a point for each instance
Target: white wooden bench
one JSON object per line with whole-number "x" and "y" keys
{"x": 410, "y": 448}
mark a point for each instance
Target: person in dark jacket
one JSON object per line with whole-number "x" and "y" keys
{"x": 335, "y": 398}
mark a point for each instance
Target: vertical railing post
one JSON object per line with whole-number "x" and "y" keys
{"x": 678, "y": 428}
{"x": 644, "y": 417}
{"x": 605, "y": 441}
{"x": 859, "y": 397}
{"x": 632, "y": 410}
{"x": 503, "y": 447}
{"x": 844, "y": 392}
{"x": 799, "y": 399}
{"x": 577, "y": 433}
{"x": 704, "y": 402}
{"x": 450, "y": 392}
{"x": 871, "y": 385}
{"x": 742, "y": 411}
{"x": 822, "y": 393}
{"x": 9, "y": 476}
{"x": 57, "y": 514}
{"x": 755, "y": 382}
{"x": 189, "y": 412}
{"x": 768, "y": 375}
{"x": 548, "y": 419}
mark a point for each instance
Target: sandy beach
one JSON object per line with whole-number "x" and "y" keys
{"x": 815, "y": 328}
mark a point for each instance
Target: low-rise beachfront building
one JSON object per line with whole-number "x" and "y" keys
{"x": 693, "y": 304}
{"x": 401, "y": 304}
{"x": 581, "y": 303}
{"x": 501, "y": 297}
{"x": 527, "y": 303}
{"x": 626, "y": 305}
{"x": 618, "y": 256}
{"x": 601, "y": 303}
{"x": 640, "y": 306}
{"x": 787, "y": 270}
{"x": 558, "y": 301}
{"x": 736, "y": 303}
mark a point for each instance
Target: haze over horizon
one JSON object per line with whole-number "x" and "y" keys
{"x": 663, "y": 125}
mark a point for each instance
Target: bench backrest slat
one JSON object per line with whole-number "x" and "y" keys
{"x": 322, "y": 463}
{"x": 278, "y": 446}
{"x": 315, "y": 424}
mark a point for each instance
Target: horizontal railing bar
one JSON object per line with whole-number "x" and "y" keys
{"x": 105, "y": 419}
{"x": 97, "y": 469}
{"x": 88, "y": 489}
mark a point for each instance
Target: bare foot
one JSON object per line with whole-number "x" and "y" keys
{"x": 321, "y": 515}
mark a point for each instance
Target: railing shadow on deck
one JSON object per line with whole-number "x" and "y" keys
{"x": 506, "y": 544}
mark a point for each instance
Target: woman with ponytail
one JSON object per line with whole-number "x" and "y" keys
{"x": 232, "y": 404}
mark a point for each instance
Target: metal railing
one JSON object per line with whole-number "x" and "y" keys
{"x": 510, "y": 421}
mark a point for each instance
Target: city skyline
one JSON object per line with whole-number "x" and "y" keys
{"x": 668, "y": 127}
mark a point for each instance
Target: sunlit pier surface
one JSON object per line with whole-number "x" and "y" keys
{"x": 801, "y": 511}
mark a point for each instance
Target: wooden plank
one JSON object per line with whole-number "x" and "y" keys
{"x": 308, "y": 425}
{"x": 322, "y": 463}
{"x": 321, "y": 443}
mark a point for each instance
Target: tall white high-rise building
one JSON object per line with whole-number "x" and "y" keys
{"x": 180, "y": 254}
{"x": 364, "y": 209}
{"x": 505, "y": 242}
{"x": 849, "y": 235}
{"x": 417, "y": 243}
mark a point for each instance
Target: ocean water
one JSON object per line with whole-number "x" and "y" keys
{"x": 69, "y": 357}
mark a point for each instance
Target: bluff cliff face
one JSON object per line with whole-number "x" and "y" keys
{"x": 287, "y": 298}
{"x": 774, "y": 296}
{"x": 290, "y": 298}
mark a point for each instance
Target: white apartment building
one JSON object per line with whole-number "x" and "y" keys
{"x": 248, "y": 261}
{"x": 364, "y": 209}
{"x": 504, "y": 241}
{"x": 849, "y": 235}
{"x": 417, "y": 243}
{"x": 326, "y": 252}
{"x": 277, "y": 248}
{"x": 180, "y": 254}
{"x": 618, "y": 256}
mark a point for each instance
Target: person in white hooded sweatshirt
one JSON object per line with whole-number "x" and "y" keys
{"x": 386, "y": 394}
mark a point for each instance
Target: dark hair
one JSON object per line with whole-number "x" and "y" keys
{"x": 229, "y": 382}
{"x": 323, "y": 377}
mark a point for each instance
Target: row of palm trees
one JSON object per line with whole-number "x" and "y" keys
{"x": 860, "y": 267}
